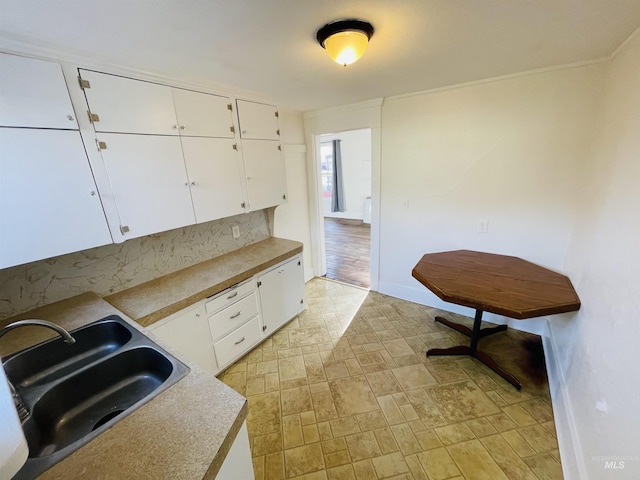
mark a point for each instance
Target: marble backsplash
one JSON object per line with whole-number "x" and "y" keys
{"x": 116, "y": 267}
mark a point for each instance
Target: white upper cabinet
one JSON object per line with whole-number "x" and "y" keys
{"x": 258, "y": 121}
{"x": 33, "y": 93}
{"x": 124, "y": 105}
{"x": 149, "y": 182}
{"x": 265, "y": 173}
{"x": 203, "y": 115}
{"x": 214, "y": 168}
{"x": 49, "y": 205}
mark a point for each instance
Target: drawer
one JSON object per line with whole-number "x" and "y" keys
{"x": 233, "y": 316}
{"x": 229, "y": 296}
{"x": 237, "y": 342}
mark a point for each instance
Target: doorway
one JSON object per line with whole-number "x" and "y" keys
{"x": 344, "y": 163}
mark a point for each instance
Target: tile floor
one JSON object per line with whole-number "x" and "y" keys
{"x": 344, "y": 391}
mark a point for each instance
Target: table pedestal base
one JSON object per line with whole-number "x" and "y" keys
{"x": 472, "y": 350}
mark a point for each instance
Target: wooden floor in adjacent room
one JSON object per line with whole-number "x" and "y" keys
{"x": 348, "y": 251}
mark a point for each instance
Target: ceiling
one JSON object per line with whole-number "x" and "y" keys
{"x": 269, "y": 46}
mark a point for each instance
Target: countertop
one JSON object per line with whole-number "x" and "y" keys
{"x": 187, "y": 430}
{"x": 157, "y": 299}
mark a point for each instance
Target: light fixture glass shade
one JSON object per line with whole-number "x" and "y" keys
{"x": 346, "y": 47}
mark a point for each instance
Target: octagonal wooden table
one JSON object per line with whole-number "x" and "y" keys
{"x": 493, "y": 283}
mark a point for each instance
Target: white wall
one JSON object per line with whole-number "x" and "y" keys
{"x": 509, "y": 152}
{"x": 291, "y": 220}
{"x": 598, "y": 348}
{"x": 355, "y": 146}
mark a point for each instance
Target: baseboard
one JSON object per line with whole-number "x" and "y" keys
{"x": 573, "y": 466}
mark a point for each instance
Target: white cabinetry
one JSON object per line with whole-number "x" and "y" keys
{"x": 214, "y": 168}
{"x": 33, "y": 94}
{"x": 215, "y": 332}
{"x": 149, "y": 182}
{"x": 261, "y": 151}
{"x": 258, "y": 121}
{"x": 169, "y": 153}
{"x": 238, "y": 465}
{"x": 188, "y": 332}
{"x": 264, "y": 168}
{"x": 234, "y": 322}
{"x": 203, "y": 115}
{"x": 282, "y": 294}
{"x": 124, "y": 105}
{"x": 49, "y": 203}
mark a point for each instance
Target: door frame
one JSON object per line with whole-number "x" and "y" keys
{"x": 335, "y": 120}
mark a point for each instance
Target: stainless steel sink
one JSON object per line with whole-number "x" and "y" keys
{"x": 55, "y": 359}
{"x": 75, "y": 392}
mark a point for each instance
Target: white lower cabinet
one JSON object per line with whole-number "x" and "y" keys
{"x": 188, "y": 332}
{"x": 238, "y": 465}
{"x": 215, "y": 332}
{"x": 282, "y": 294}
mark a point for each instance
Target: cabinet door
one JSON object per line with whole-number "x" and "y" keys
{"x": 264, "y": 169}
{"x": 271, "y": 300}
{"x": 130, "y": 106}
{"x": 33, "y": 93}
{"x": 281, "y": 294}
{"x": 203, "y": 115}
{"x": 215, "y": 177}
{"x": 258, "y": 121}
{"x": 293, "y": 287}
{"x": 188, "y": 333}
{"x": 48, "y": 199}
{"x": 149, "y": 182}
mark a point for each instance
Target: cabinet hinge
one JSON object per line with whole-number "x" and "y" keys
{"x": 229, "y": 107}
{"x": 259, "y": 284}
{"x": 264, "y": 327}
{"x": 233, "y": 129}
{"x": 84, "y": 83}
{"x": 280, "y": 147}
{"x": 101, "y": 145}
{"x": 278, "y": 132}
{"x": 243, "y": 205}
{"x": 124, "y": 229}
{"x": 276, "y": 114}
{"x": 235, "y": 146}
{"x": 93, "y": 117}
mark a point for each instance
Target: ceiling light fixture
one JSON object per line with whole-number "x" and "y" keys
{"x": 345, "y": 40}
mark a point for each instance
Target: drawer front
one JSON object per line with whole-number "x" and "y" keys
{"x": 237, "y": 342}
{"x": 229, "y": 296}
{"x": 233, "y": 316}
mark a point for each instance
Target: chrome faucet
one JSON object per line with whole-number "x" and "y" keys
{"x": 68, "y": 339}
{"x": 23, "y": 411}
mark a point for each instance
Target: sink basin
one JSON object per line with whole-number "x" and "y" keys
{"x": 75, "y": 392}
{"x": 55, "y": 359}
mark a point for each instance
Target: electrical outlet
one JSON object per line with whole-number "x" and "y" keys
{"x": 235, "y": 230}
{"x": 483, "y": 226}
{"x": 405, "y": 205}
